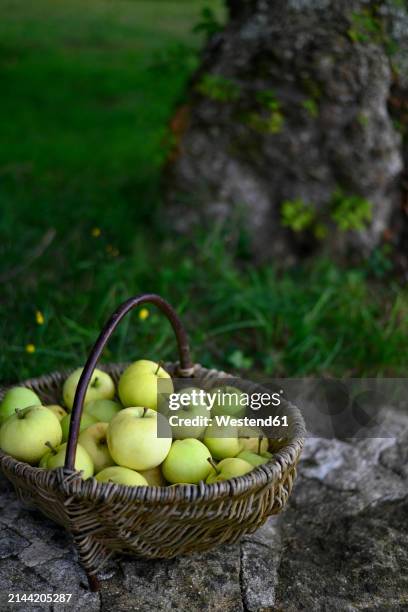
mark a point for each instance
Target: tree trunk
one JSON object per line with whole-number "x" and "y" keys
{"x": 290, "y": 134}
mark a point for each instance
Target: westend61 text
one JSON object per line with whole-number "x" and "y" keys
{"x": 227, "y": 421}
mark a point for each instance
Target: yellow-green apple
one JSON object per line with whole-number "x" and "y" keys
{"x": 222, "y": 441}
{"x": 101, "y": 386}
{"x": 133, "y": 438}
{"x": 187, "y": 462}
{"x": 193, "y": 410}
{"x": 93, "y": 440}
{"x": 228, "y": 401}
{"x": 249, "y": 439}
{"x": 55, "y": 458}
{"x": 139, "y": 386}
{"x": 253, "y": 458}
{"x": 24, "y": 434}
{"x": 86, "y": 421}
{"x": 18, "y": 397}
{"x": 154, "y": 477}
{"x": 228, "y": 468}
{"x": 122, "y": 475}
{"x": 57, "y": 410}
{"x": 102, "y": 410}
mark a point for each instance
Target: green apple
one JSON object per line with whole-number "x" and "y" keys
{"x": 133, "y": 438}
{"x": 228, "y": 468}
{"x": 221, "y": 446}
{"x": 57, "y": 410}
{"x": 194, "y": 414}
{"x": 187, "y": 462}
{"x": 55, "y": 458}
{"x": 102, "y": 410}
{"x": 86, "y": 421}
{"x": 138, "y": 385}
{"x": 228, "y": 402}
{"x": 249, "y": 439}
{"x": 18, "y": 397}
{"x": 122, "y": 475}
{"x": 43, "y": 463}
{"x": 253, "y": 458}
{"x": 101, "y": 386}
{"x": 24, "y": 434}
{"x": 154, "y": 477}
{"x": 93, "y": 440}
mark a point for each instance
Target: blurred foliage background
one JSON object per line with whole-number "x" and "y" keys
{"x": 87, "y": 94}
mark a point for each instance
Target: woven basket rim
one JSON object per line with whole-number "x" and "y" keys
{"x": 72, "y": 484}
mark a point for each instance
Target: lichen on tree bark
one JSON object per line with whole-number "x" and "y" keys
{"x": 290, "y": 130}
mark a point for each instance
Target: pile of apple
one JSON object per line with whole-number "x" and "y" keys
{"x": 118, "y": 440}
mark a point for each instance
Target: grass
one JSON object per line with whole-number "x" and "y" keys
{"x": 87, "y": 93}
{"x": 321, "y": 320}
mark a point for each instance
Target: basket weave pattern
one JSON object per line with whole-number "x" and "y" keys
{"x": 154, "y": 522}
{"x": 105, "y": 518}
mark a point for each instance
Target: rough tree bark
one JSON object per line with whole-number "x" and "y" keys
{"x": 290, "y": 130}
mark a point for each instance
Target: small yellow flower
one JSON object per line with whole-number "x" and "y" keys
{"x": 30, "y": 348}
{"x": 143, "y": 314}
{"x": 96, "y": 232}
{"x": 39, "y": 317}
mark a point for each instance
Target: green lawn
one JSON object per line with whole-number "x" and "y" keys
{"x": 87, "y": 91}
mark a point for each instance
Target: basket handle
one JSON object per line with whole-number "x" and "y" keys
{"x": 185, "y": 368}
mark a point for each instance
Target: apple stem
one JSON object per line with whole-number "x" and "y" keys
{"x": 144, "y": 412}
{"x": 20, "y": 413}
{"x": 213, "y": 464}
{"x": 159, "y": 365}
{"x": 51, "y": 447}
{"x": 95, "y": 381}
{"x": 259, "y": 444}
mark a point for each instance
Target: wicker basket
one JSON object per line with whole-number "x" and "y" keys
{"x": 105, "y": 518}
